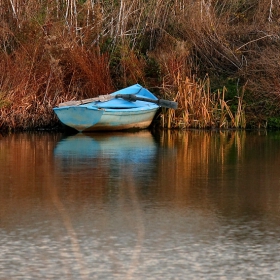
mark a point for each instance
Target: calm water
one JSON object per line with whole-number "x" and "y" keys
{"x": 192, "y": 205}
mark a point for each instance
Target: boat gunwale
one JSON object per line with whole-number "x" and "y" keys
{"x": 115, "y": 110}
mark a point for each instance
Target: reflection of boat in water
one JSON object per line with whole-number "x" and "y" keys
{"x": 129, "y": 146}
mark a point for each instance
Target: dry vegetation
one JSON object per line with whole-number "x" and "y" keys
{"x": 218, "y": 59}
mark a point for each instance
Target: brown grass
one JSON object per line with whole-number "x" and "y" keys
{"x": 42, "y": 73}
{"x": 54, "y": 51}
{"x": 200, "y": 108}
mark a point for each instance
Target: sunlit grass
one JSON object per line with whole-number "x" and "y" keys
{"x": 200, "y": 108}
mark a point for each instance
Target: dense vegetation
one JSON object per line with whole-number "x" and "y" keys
{"x": 219, "y": 59}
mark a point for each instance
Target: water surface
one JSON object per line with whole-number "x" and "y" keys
{"x": 188, "y": 205}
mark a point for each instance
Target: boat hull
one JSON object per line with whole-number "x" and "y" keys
{"x": 124, "y": 120}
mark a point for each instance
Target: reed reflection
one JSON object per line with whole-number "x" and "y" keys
{"x": 226, "y": 172}
{"x": 231, "y": 172}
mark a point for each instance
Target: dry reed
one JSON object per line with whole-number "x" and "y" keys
{"x": 53, "y": 51}
{"x": 200, "y": 108}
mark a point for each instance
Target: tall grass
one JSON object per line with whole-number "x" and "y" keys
{"x": 53, "y": 51}
{"x": 201, "y": 108}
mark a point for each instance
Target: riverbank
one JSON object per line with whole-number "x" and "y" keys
{"x": 218, "y": 60}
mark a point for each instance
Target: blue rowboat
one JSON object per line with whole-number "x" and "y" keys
{"x": 133, "y": 107}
